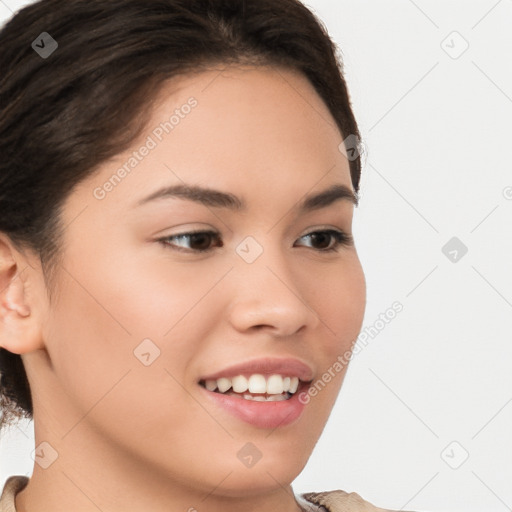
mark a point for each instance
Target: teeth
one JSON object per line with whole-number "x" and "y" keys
{"x": 277, "y": 398}
{"x": 257, "y": 384}
{"x": 274, "y": 385}
{"x": 223, "y": 384}
{"x": 211, "y": 385}
{"x": 256, "y": 398}
{"x": 240, "y": 384}
{"x": 259, "y": 398}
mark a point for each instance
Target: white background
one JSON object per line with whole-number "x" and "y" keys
{"x": 435, "y": 384}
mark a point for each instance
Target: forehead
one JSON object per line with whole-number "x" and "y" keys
{"x": 251, "y": 130}
{"x": 252, "y": 111}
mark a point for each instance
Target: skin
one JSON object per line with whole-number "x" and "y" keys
{"x": 131, "y": 437}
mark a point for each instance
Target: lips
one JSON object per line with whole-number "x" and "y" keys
{"x": 268, "y": 413}
{"x": 265, "y": 366}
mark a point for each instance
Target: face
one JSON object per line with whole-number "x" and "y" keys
{"x": 145, "y": 312}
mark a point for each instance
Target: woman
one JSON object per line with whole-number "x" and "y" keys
{"x": 163, "y": 372}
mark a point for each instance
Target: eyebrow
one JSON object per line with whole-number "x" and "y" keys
{"x": 218, "y": 199}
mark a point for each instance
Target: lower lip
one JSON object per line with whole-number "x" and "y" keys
{"x": 268, "y": 415}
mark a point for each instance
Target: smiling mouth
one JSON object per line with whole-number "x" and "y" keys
{"x": 257, "y": 397}
{"x": 256, "y": 387}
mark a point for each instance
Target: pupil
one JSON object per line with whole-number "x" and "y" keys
{"x": 320, "y": 235}
{"x": 203, "y": 237}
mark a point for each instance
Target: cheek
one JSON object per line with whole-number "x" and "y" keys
{"x": 141, "y": 292}
{"x": 340, "y": 302}
{"x": 94, "y": 330}
{"x": 108, "y": 321}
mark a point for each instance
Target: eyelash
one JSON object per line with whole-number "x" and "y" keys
{"x": 342, "y": 239}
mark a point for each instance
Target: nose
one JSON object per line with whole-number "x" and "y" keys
{"x": 267, "y": 295}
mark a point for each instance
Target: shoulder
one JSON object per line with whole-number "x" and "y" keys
{"x": 340, "y": 501}
{"x": 13, "y": 485}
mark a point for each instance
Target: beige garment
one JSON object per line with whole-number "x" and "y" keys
{"x": 12, "y": 486}
{"x": 339, "y": 501}
{"x": 330, "y": 501}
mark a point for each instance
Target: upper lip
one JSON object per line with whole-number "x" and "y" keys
{"x": 290, "y": 367}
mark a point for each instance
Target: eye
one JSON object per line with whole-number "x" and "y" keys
{"x": 340, "y": 239}
{"x": 199, "y": 240}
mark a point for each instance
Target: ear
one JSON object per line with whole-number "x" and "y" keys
{"x": 20, "y": 328}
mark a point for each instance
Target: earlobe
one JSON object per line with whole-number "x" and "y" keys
{"x": 19, "y": 329}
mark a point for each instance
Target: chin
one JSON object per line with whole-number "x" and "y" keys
{"x": 273, "y": 470}
{"x": 254, "y": 482}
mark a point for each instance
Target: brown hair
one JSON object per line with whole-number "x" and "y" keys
{"x": 62, "y": 116}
